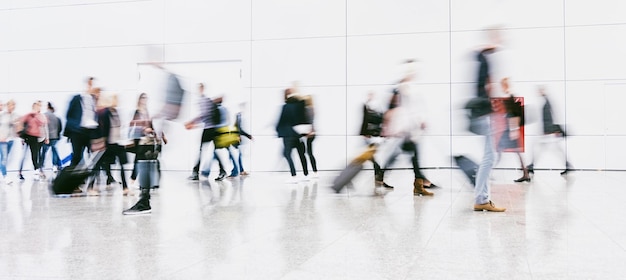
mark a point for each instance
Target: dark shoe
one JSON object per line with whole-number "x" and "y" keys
{"x": 431, "y": 186}
{"x": 531, "y": 169}
{"x": 523, "y": 179}
{"x": 111, "y": 181}
{"x": 489, "y": 206}
{"x": 564, "y": 172}
{"x": 142, "y": 207}
{"x": 220, "y": 177}
{"x": 194, "y": 177}
{"x": 21, "y": 177}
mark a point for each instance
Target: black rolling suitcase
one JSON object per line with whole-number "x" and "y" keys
{"x": 352, "y": 169}
{"x": 70, "y": 177}
{"x": 468, "y": 166}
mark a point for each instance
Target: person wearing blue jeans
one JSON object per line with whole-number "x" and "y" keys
{"x": 482, "y": 123}
{"x": 5, "y": 148}
{"x": 482, "y": 191}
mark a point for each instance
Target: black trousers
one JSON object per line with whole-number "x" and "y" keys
{"x": 290, "y": 143}
{"x": 208, "y": 135}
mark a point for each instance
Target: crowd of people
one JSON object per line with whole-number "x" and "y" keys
{"x": 93, "y": 126}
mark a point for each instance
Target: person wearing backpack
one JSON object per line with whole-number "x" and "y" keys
{"x": 371, "y": 127}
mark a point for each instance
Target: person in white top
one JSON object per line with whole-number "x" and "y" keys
{"x": 403, "y": 125}
{"x": 8, "y": 118}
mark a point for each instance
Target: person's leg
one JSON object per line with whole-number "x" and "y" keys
{"x": 233, "y": 154}
{"x": 143, "y": 204}
{"x": 235, "y": 170}
{"x": 3, "y": 158}
{"x": 56, "y": 160}
{"x": 526, "y": 176}
{"x": 206, "y": 137}
{"x": 482, "y": 191}
{"x": 35, "y": 151}
{"x": 42, "y": 154}
{"x": 288, "y": 145}
{"x": 309, "y": 149}
{"x": 133, "y": 174}
{"x": 239, "y": 159}
{"x": 419, "y": 179}
{"x": 301, "y": 150}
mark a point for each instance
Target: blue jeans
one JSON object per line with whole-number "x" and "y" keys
{"x": 56, "y": 161}
{"x": 482, "y": 191}
{"x": 5, "y": 149}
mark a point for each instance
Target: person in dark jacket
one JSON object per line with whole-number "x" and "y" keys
{"x": 109, "y": 129}
{"x": 54, "y": 131}
{"x": 293, "y": 113}
{"x": 81, "y": 120}
{"x": 551, "y": 132}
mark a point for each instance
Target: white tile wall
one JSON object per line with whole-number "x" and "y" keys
{"x": 311, "y": 61}
{"x": 581, "y": 12}
{"x": 480, "y": 14}
{"x": 595, "y": 52}
{"x": 281, "y": 19}
{"x": 392, "y": 17}
{"x": 205, "y": 21}
{"x": 378, "y": 59}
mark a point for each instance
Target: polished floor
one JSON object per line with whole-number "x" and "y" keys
{"x": 258, "y": 227}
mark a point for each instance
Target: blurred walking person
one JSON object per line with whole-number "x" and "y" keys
{"x": 140, "y": 122}
{"x": 553, "y": 134}
{"x": 371, "y": 128}
{"x": 8, "y": 119}
{"x": 81, "y": 121}
{"x": 292, "y": 114}
{"x": 35, "y": 133}
{"x": 54, "y": 131}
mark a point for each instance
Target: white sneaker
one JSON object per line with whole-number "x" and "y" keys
{"x": 7, "y": 180}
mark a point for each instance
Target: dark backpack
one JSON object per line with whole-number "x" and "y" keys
{"x": 374, "y": 120}
{"x": 216, "y": 116}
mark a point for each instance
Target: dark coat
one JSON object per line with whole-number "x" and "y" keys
{"x": 293, "y": 113}
{"x": 73, "y": 117}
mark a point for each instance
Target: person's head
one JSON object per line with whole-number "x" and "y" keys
{"x": 10, "y": 105}
{"x": 50, "y": 107}
{"x": 201, "y": 88}
{"x": 288, "y": 93}
{"x": 37, "y": 107}
{"x": 142, "y": 101}
{"x": 89, "y": 81}
{"x": 494, "y": 35}
{"x": 541, "y": 90}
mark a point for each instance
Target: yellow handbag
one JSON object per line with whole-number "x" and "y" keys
{"x": 226, "y": 136}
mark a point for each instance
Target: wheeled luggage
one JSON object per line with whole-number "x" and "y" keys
{"x": 352, "y": 169}
{"x": 71, "y": 177}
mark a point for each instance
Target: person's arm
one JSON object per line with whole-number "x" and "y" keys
{"x": 238, "y": 126}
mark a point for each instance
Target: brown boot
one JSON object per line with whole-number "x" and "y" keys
{"x": 418, "y": 188}
{"x": 489, "y": 206}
